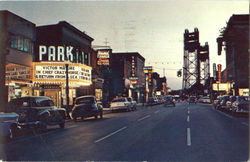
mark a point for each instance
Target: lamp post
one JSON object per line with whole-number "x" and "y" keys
{"x": 67, "y": 87}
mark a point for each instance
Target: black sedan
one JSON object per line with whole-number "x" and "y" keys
{"x": 86, "y": 106}
{"x": 37, "y": 112}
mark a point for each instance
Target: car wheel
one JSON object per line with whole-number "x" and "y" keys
{"x": 12, "y": 132}
{"x": 96, "y": 117}
{"x": 101, "y": 114}
{"x": 43, "y": 126}
{"x": 82, "y": 118}
{"x": 62, "y": 125}
{"x": 75, "y": 119}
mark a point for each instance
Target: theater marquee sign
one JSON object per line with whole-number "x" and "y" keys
{"x": 55, "y": 72}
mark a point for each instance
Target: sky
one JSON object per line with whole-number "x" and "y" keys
{"x": 153, "y": 28}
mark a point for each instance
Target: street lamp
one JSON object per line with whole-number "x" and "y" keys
{"x": 67, "y": 62}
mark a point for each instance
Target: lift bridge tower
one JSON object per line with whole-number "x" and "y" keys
{"x": 196, "y": 63}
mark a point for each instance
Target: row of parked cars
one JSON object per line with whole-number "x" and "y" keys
{"x": 233, "y": 104}
{"x": 40, "y": 112}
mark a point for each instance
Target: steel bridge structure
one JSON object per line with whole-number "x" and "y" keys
{"x": 196, "y": 63}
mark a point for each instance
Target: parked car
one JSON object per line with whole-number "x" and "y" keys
{"x": 216, "y": 101}
{"x": 168, "y": 100}
{"x": 133, "y": 103}
{"x": 222, "y": 106}
{"x": 37, "y": 112}
{"x": 204, "y": 99}
{"x": 8, "y": 125}
{"x": 240, "y": 105}
{"x": 230, "y": 102}
{"x": 152, "y": 101}
{"x": 192, "y": 99}
{"x": 86, "y": 106}
{"x": 121, "y": 103}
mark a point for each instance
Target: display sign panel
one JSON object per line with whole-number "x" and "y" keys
{"x": 103, "y": 57}
{"x": 56, "y": 72}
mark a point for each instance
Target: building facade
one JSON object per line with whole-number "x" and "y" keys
{"x": 58, "y": 45}
{"x": 128, "y": 75}
{"x": 16, "y": 61}
{"x": 235, "y": 39}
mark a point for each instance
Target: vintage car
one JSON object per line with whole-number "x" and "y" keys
{"x": 8, "y": 125}
{"x": 169, "y": 101}
{"x": 86, "y": 106}
{"x": 240, "y": 105}
{"x": 37, "y": 112}
{"x": 121, "y": 103}
{"x": 133, "y": 103}
{"x": 192, "y": 99}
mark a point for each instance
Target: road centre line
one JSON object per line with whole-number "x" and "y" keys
{"x": 157, "y": 111}
{"x": 188, "y": 137}
{"x": 188, "y": 112}
{"x": 145, "y": 117}
{"x": 111, "y": 134}
{"x": 188, "y": 118}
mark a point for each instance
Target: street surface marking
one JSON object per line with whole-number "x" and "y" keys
{"x": 188, "y": 112}
{"x": 145, "y": 117}
{"x": 188, "y": 137}
{"x": 157, "y": 111}
{"x": 225, "y": 115}
{"x": 244, "y": 124}
{"x": 111, "y": 134}
{"x": 188, "y": 119}
{"x": 73, "y": 126}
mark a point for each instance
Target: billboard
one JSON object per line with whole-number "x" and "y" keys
{"x": 103, "y": 57}
{"x": 55, "y": 72}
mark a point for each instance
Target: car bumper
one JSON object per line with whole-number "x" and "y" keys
{"x": 119, "y": 108}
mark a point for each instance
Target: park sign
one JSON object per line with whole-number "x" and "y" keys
{"x": 61, "y": 53}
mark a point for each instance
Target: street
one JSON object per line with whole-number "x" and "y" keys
{"x": 187, "y": 132}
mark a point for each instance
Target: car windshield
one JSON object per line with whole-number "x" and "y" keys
{"x": 119, "y": 100}
{"x": 85, "y": 100}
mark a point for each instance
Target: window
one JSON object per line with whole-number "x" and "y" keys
{"x": 20, "y": 43}
{"x": 13, "y": 41}
{"x": 26, "y": 45}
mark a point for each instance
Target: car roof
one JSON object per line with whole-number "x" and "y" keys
{"x": 32, "y": 97}
{"x": 85, "y": 96}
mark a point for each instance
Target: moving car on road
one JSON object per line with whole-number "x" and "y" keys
{"x": 204, "y": 99}
{"x": 86, "y": 106}
{"x": 192, "y": 99}
{"x": 121, "y": 103}
{"x": 8, "y": 125}
{"x": 37, "y": 112}
{"x": 168, "y": 101}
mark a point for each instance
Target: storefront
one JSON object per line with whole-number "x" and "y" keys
{"x": 49, "y": 79}
{"x": 18, "y": 80}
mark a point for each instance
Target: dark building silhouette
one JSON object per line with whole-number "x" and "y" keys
{"x": 17, "y": 46}
{"x": 128, "y": 78}
{"x": 235, "y": 38}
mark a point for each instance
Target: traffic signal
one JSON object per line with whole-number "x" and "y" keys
{"x": 179, "y": 73}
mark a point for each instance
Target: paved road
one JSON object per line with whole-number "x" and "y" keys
{"x": 194, "y": 132}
